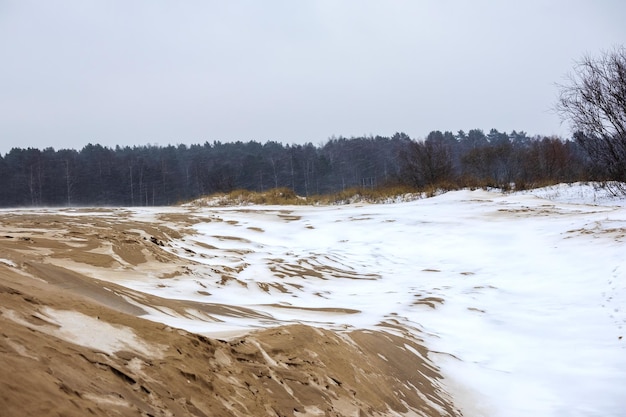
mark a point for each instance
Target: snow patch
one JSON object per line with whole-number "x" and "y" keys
{"x": 84, "y": 330}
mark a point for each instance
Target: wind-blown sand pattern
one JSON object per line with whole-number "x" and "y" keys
{"x": 470, "y": 303}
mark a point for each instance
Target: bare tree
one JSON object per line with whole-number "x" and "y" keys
{"x": 594, "y": 102}
{"x": 427, "y": 162}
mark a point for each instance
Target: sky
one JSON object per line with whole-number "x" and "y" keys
{"x": 161, "y": 72}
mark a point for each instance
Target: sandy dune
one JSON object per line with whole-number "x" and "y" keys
{"x": 72, "y": 344}
{"x": 474, "y": 303}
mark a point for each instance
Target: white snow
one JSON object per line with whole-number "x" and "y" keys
{"x": 85, "y": 330}
{"x": 522, "y": 295}
{"x": 583, "y": 193}
{"x": 529, "y": 293}
{"x": 8, "y": 262}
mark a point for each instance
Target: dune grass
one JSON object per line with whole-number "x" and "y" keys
{"x": 382, "y": 194}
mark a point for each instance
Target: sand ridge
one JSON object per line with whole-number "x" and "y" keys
{"x": 58, "y": 285}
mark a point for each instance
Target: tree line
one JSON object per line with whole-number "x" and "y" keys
{"x": 593, "y": 101}
{"x": 153, "y": 175}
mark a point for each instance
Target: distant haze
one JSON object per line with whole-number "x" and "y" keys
{"x": 115, "y": 72}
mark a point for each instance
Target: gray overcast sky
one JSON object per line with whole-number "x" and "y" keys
{"x": 162, "y": 72}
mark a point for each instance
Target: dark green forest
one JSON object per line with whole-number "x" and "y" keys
{"x": 153, "y": 175}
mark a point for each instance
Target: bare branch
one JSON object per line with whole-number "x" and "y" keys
{"x": 593, "y": 101}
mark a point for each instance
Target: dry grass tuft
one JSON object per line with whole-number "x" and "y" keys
{"x": 393, "y": 193}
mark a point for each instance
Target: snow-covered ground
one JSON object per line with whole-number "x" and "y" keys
{"x": 522, "y": 295}
{"x": 583, "y": 193}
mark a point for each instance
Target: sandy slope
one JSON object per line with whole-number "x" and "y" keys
{"x": 510, "y": 304}
{"x": 74, "y": 345}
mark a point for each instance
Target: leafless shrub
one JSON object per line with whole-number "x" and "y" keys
{"x": 593, "y": 101}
